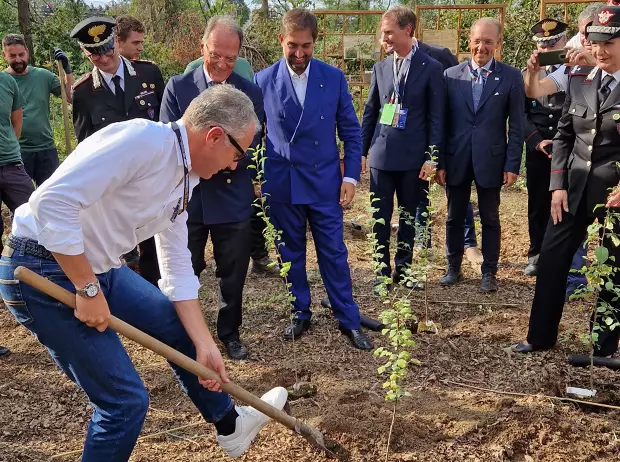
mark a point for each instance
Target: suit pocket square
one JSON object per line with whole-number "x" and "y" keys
{"x": 497, "y": 93}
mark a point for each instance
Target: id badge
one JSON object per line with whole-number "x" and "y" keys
{"x": 387, "y": 115}
{"x": 396, "y": 115}
{"x": 402, "y": 119}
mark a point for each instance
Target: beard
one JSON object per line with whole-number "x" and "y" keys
{"x": 298, "y": 67}
{"x": 18, "y": 67}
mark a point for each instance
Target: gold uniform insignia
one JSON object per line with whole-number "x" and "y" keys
{"x": 142, "y": 102}
{"x": 548, "y": 26}
{"x": 152, "y": 85}
{"x": 96, "y": 31}
{"x": 616, "y": 117}
{"x": 144, "y": 85}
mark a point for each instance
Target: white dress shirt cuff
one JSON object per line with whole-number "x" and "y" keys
{"x": 63, "y": 240}
{"x": 180, "y": 290}
{"x": 346, "y": 179}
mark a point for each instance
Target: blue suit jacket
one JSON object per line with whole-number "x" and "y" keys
{"x": 424, "y": 97}
{"x": 227, "y": 196}
{"x": 303, "y": 160}
{"x": 479, "y": 138}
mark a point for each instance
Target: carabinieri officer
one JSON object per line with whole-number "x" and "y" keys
{"x": 583, "y": 172}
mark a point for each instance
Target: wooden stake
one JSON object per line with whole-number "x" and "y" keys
{"x": 65, "y": 107}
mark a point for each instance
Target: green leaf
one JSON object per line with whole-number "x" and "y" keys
{"x": 602, "y": 254}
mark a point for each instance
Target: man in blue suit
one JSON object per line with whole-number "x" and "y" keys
{"x": 222, "y": 205}
{"x": 398, "y": 147}
{"x": 447, "y": 60}
{"x": 483, "y": 95}
{"x": 306, "y": 100}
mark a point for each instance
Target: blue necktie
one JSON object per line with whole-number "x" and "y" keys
{"x": 479, "y": 79}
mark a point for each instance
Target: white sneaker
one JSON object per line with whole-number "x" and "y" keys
{"x": 250, "y": 422}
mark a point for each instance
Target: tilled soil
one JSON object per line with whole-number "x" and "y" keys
{"x": 43, "y": 414}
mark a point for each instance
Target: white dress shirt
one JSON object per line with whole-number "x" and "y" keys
{"x": 119, "y": 187}
{"x": 614, "y": 82}
{"x": 575, "y": 41}
{"x": 208, "y": 77}
{"x": 560, "y": 77}
{"x": 300, "y": 82}
{"x": 300, "y": 85}
{"x": 108, "y": 77}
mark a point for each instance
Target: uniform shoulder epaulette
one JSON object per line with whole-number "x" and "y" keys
{"x": 143, "y": 61}
{"x": 580, "y": 70}
{"x": 84, "y": 78}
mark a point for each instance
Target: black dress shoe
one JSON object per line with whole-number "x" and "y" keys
{"x": 236, "y": 350}
{"x": 358, "y": 338}
{"x": 451, "y": 278}
{"x": 523, "y": 347}
{"x": 264, "y": 266}
{"x": 489, "y": 283}
{"x": 365, "y": 321}
{"x": 296, "y": 328}
{"x": 4, "y": 351}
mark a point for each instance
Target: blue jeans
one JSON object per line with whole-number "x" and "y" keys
{"x": 420, "y": 224}
{"x": 97, "y": 361}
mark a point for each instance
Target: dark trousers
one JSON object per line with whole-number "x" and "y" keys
{"x": 560, "y": 243}
{"x": 421, "y": 216}
{"x": 325, "y": 219}
{"x": 488, "y": 205}
{"x": 15, "y": 189}
{"x": 231, "y": 251}
{"x": 149, "y": 266}
{"x": 538, "y": 173}
{"x": 406, "y": 185}
{"x": 259, "y": 249}
{"x": 40, "y": 164}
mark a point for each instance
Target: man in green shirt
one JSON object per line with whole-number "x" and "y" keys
{"x": 15, "y": 184}
{"x": 38, "y": 150}
{"x": 242, "y": 67}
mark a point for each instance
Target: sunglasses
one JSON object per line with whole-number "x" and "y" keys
{"x": 240, "y": 155}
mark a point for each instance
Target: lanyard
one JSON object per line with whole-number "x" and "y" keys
{"x": 481, "y": 73}
{"x": 398, "y": 76}
{"x": 178, "y": 210}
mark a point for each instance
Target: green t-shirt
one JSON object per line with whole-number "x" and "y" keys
{"x": 10, "y": 101}
{"x": 35, "y": 87}
{"x": 242, "y": 67}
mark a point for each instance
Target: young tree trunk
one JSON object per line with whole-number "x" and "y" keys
{"x": 25, "y": 25}
{"x": 265, "y": 8}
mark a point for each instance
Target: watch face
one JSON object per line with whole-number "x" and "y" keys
{"x": 91, "y": 290}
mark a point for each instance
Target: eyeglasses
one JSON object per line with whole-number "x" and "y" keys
{"x": 228, "y": 59}
{"x": 240, "y": 155}
{"x": 97, "y": 56}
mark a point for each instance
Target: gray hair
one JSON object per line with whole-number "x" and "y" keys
{"x": 588, "y": 12}
{"x": 224, "y": 21}
{"x": 223, "y": 106}
{"x": 486, "y": 20}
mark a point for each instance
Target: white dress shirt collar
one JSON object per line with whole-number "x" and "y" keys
{"x": 408, "y": 56}
{"x": 300, "y": 82}
{"x": 487, "y": 66}
{"x": 183, "y": 130}
{"x": 120, "y": 72}
{"x": 615, "y": 75}
{"x": 208, "y": 77}
{"x": 294, "y": 74}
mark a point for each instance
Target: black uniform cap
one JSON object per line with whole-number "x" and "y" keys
{"x": 96, "y": 34}
{"x": 547, "y": 32}
{"x": 606, "y": 24}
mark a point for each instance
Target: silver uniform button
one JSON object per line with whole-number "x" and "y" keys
{"x": 550, "y": 128}
{"x": 594, "y": 131}
{"x": 590, "y": 148}
{"x": 572, "y": 110}
{"x": 551, "y": 115}
{"x": 588, "y": 163}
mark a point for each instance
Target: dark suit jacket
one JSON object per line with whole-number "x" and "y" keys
{"x": 585, "y": 149}
{"x": 424, "y": 96}
{"x": 302, "y": 163}
{"x": 227, "y": 196}
{"x": 443, "y": 55}
{"x": 480, "y": 138}
{"x": 94, "y": 105}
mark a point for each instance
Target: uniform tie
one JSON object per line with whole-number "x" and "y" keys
{"x": 119, "y": 93}
{"x": 604, "y": 91}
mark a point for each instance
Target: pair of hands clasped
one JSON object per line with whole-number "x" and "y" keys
{"x": 429, "y": 172}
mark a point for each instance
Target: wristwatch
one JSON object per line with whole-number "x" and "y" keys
{"x": 90, "y": 290}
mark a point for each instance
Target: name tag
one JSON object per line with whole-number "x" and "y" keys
{"x": 387, "y": 114}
